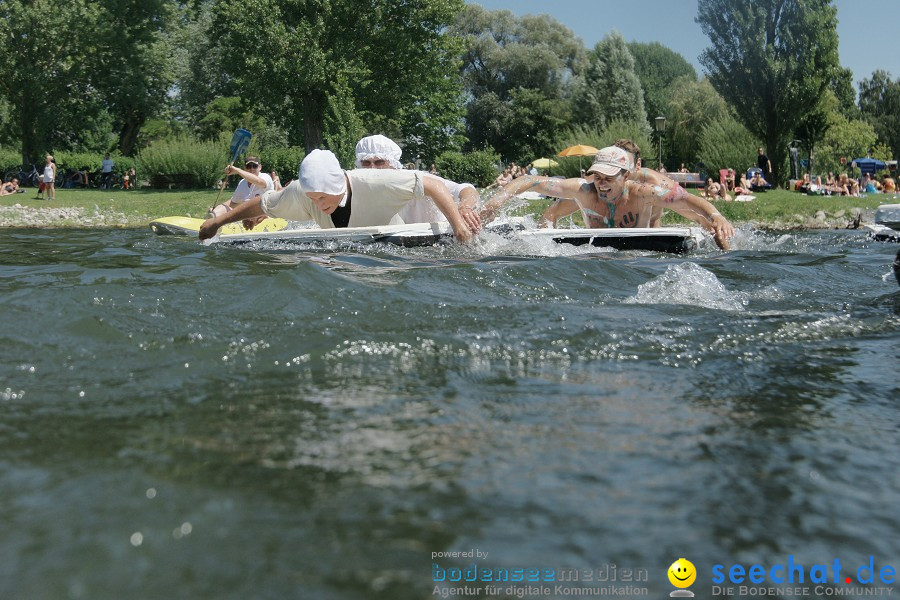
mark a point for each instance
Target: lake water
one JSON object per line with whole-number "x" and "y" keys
{"x": 180, "y": 421}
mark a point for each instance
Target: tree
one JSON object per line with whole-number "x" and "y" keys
{"x": 45, "y": 60}
{"x": 726, "y": 144}
{"x": 516, "y": 74}
{"x": 845, "y": 139}
{"x": 658, "y": 67}
{"x": 691, "y": 105}
{"x": 771, "y": 60}
{"x": 132, "y": 65}
{"x": 609, "y": 90}
{"x": 294, "y": 54}
{"x": 879, "y": 103}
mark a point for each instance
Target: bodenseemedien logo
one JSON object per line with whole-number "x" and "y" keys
{"x": 682, "y": 574}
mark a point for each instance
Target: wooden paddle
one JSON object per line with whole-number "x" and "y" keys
{"x": 240, "y": 141}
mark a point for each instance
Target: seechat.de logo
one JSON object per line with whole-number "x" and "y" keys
{"x": 682, "y": 574}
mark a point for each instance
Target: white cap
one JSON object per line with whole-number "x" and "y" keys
{"x": 321, "y": 172}
{"x": 610, "y": 160}
{"x": 378, "y": 146}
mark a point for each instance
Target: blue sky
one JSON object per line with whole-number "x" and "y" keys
{"x": 868, "y": 39}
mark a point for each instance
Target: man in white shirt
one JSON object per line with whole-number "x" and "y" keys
{"x": 253, "y": 183}
{"x": 332, "y": 197}
{"x": 380, "y": 152}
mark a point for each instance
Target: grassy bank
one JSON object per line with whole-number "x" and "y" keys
{"x": 78, "y": 208}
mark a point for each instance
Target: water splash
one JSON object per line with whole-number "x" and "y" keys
{"x": 688, "y": 283}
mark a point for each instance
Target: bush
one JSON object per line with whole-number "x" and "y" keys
{"x": 475, "y": 167}
{"x": 284, "y": 161}
{"x": 91, "y": 160}
{"x": 185, "y": 162}
{"x": 10, "y": 160}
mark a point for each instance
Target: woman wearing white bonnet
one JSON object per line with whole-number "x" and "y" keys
{"x": 332, "y": 197}
{"x": 380, "y": 152}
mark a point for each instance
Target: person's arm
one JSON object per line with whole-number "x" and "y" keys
{"x": 246, "y": 175}
{"x": 437, "y": 191}
{"x": 468, "y": 208}
{"x": 555, "y": 188}
{"x": 248, "y": 210}
{"x": 694, "y": 208}
{"x": 556, "y": 211}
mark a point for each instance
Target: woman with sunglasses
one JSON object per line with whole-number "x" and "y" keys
{"x": 253, "y": 183}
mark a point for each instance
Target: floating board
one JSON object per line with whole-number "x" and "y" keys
{"x": 662, "y": 239}
{"x": 191, "y": 226}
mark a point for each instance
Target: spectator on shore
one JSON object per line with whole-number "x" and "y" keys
{"x": 758, "y": 183}
{"x": 106, "y": 169}
{"x": 503, "y": 178}
{"x": 11, "y": 187}
{"x": 715, "y": 191}
{"x": 763, "y": 162}
{"x": 276, "y": 180}
{"x": 683, "y": 169}
{"x": 871, "y": 185}
{"x": 48, "y": 178}
{"x": 729, "y": 179}
{"x": 662, "y": 169}
{"x": 888, "y": 184}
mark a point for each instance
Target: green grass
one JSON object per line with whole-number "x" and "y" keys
{"x": 136, "y": 208}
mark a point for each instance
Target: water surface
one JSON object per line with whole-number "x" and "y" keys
{"x": 257, "y": 422}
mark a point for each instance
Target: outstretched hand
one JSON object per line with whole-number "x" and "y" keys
{"x": 722, "y": 231}
{"x": 208, "y": 229}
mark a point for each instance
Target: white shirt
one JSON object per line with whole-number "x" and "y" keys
{"x": 107, "y": 165}
{"x": 244, "y": 191}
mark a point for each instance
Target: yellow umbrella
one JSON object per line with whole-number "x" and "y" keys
{"x": 544, "y": 163}
{"x": 579, "y": 151}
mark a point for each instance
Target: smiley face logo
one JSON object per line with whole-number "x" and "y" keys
{"x": 682, "y": 573}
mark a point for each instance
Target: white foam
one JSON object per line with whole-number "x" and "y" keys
{"x": 688, "y": 283}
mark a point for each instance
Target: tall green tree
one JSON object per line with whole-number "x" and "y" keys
{"x": 771, "y": 60}
{"x": 879, "y": 102}
{"x": 690, "y": 106}
{"x": 609, "y": 90}
{"x": 657, "y": 67}
{"x": 133, "y": 62}
{"x": 45, "y": 63}
{"x": 289, "y": 56}
{"x": 516, "y": 74}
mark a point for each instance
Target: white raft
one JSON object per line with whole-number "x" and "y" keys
{"x": 676, "y": 240}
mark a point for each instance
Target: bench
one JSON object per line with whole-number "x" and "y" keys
{"x": 688, "y": 179}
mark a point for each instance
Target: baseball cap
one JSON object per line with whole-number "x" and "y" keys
{"x": 610, "y": 160}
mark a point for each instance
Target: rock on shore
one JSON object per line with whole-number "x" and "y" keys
{"x": 25, "y": 216}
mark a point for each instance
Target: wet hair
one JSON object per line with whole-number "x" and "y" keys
{"x": 629, "y": 146}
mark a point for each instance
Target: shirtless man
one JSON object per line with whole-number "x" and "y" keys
{"x": 333, "y": 197}
{"x": 614, "y": 199}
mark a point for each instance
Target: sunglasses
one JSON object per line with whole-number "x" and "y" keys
{"x": 251, "y": 165}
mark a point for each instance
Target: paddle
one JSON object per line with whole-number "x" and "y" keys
{"x": 240, "y": 141}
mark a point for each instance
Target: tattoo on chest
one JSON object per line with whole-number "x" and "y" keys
{"x": 629, "y": 219}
